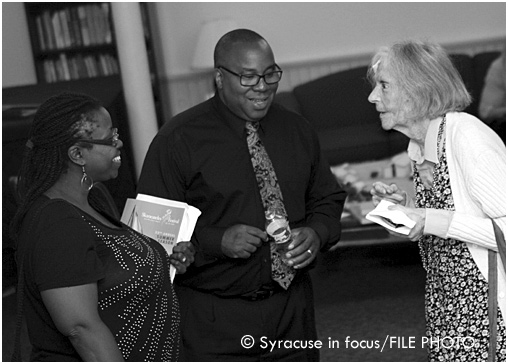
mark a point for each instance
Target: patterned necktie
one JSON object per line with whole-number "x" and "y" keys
{"x": 271, "y": 197}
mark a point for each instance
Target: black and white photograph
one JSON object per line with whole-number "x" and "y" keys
{"x": 254, "y": 181}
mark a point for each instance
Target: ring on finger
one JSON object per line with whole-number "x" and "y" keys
{"x": 309, "y": 251}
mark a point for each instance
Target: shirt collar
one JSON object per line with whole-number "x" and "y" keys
{"x": 236, "y": 123}
{"x": 429, "y": 152}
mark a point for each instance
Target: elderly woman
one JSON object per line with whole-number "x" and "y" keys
{"x": 93, "y": 288}
{"x": 459, "y": 170}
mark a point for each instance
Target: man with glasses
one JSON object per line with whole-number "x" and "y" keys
{"x": 232, "y": 157}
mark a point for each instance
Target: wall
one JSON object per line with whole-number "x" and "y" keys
{"x": 308, "y": 33}
{"x": 300, "y": 33}
{"x": 17, "y": 58}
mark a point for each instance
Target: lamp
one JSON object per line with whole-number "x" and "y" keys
{"x": 209, "y": 35}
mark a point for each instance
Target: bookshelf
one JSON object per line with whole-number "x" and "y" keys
{"x": 72, "y": 41}
{"x": 75, "y": 41}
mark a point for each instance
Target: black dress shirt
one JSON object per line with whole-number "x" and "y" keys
{"x": 201, "y": 157}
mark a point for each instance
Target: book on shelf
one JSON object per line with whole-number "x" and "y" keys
{"x": 90, "y": 19}
{"x": 166, "y": 221}
{"x": 57, "y": 30}
{"x": 48, "y": 74}
{"x": 65, "y": 66}
{"x": 66, "y": 34}
{"x": 40, "y": 33}
{"x": 48, "y": 31}
{"x": 108, "y": 34}
{"x": 74, "y": 26}
{"x": 83, "y": 25}
{"x": 79, "y": 66}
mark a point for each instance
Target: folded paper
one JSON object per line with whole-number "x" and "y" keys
{"x": 394, "y": 220}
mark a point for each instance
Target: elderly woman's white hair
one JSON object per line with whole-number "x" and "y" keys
{"x": 426, "y": 76}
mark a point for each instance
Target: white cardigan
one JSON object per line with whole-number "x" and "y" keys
{"x": 477, "y": 165}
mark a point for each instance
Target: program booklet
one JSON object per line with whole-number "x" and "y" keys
{"x": 165, "y": 221}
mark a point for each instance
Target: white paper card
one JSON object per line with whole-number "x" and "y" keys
{"x": 394, "y": 220}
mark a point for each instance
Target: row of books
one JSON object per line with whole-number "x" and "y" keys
{"x": 77, "y": 26}
{"x": 79, "y": 66}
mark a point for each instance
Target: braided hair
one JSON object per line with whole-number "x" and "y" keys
{"x": 57, "y": 125}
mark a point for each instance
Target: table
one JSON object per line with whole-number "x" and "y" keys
{"x": 358, "y": 231}
{"x": 364, "y": 235}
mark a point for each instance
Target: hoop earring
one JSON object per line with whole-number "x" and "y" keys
{"x": 86, "y": 179}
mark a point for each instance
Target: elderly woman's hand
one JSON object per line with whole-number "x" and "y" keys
{"x": 182, "y": 256}
{"x": 418, "y": 216}
{"x": 381, "y": 191}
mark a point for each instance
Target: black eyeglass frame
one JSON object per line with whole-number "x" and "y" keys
{"x": 279, "y": 71}
{"x": 112, "y": 142}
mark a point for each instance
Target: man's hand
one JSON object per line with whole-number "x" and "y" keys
{"x": 304, "y": 248}
{"x": 240, "y": 241}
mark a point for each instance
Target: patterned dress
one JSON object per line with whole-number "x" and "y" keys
{"x": 456, "y": 295}
{"x": 136, "y": 300}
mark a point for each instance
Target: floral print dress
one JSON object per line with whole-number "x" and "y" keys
{"x": 456, "y": 294}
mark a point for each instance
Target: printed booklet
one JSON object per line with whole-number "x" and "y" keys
{"x": 166, "y": 221}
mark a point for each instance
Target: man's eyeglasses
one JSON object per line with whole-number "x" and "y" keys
{"x": 113, "y": 141}
{"x": 252, "y": 79}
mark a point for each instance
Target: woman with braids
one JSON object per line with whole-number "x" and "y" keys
{"x": 94, "y": 289}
